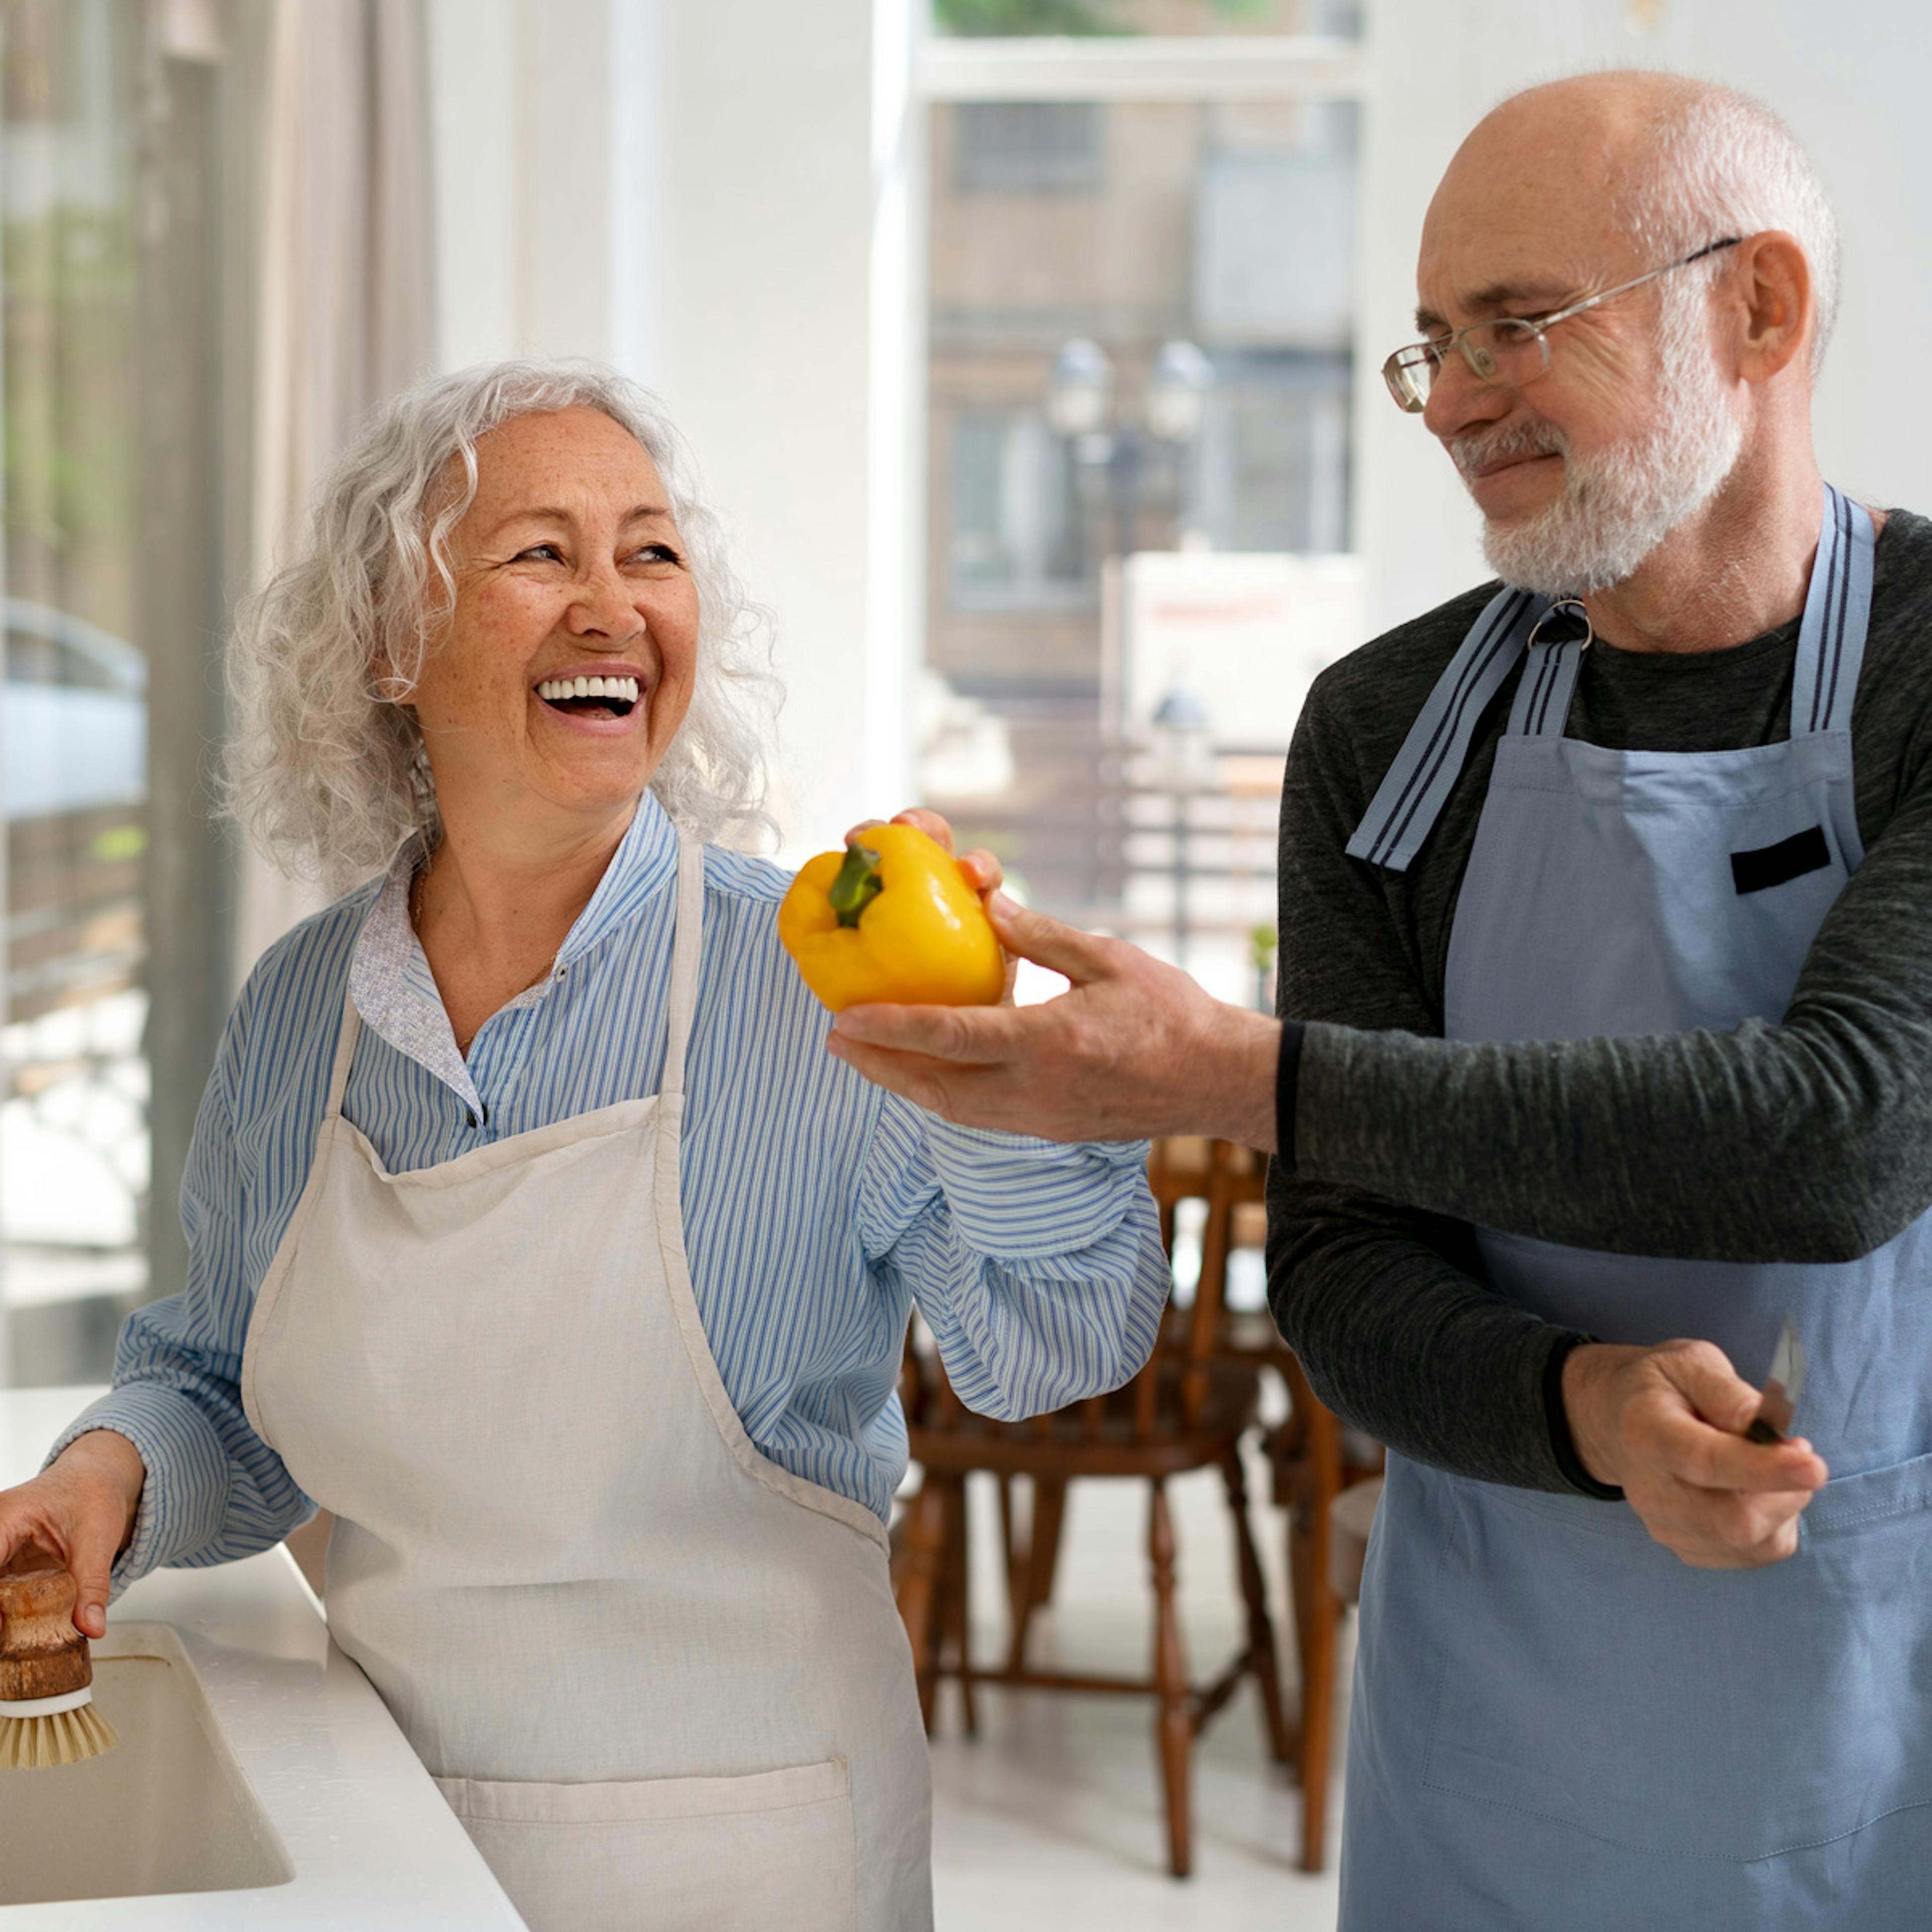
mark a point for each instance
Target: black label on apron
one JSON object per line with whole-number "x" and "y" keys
{"x": 1789, "y": 859}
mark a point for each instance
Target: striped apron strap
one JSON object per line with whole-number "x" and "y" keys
{"x": 1542, "y": 706}
{"x": 1831, "y": 639}
{"x": 1403, "y": 812}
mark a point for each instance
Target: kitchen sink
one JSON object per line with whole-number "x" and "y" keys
{"x": 168, "y": 1810}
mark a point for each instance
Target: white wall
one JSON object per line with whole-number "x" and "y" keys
{"x": 686, "y": 187}
{"x": 1849, "y": 79}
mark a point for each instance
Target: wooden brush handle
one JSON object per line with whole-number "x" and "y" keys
{"x": 41, "y": 1653}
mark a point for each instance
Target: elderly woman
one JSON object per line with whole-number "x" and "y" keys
{"x": 534, "y": 1232}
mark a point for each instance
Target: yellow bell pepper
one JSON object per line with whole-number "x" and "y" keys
{"x": 892, "y": 918}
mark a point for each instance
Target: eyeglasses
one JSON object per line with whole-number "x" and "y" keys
{"x": 1509, "y": 352}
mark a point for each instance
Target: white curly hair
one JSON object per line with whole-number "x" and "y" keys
{"x": 325, "y": 764}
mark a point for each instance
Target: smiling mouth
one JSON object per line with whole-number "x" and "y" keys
{"x": 590, "y": 697}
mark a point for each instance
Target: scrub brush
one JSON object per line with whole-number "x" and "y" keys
{"x": 46, "y": 1709}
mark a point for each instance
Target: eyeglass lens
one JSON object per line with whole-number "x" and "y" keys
{"x": 1502, "y": 354}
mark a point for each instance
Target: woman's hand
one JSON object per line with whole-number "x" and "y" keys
{"x": 978, "y": 867}
{"x": 79, "y": 1513}
{"x": 982, "y": 871}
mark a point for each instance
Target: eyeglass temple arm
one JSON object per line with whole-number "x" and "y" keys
{"x": 1541, "y": 322}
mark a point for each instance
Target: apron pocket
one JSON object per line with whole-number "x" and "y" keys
{"x": 1589, "y": 1677}
{"x": 704, "y": 1854}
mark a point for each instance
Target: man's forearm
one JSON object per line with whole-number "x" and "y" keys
{"x": 1758, "y": 1145}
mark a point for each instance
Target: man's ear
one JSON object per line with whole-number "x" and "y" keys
{"x": 1775, "y": 307}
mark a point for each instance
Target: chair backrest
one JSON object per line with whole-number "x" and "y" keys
{"x": 1170, "y": 1392}
{"x": 1224, "y": 1175}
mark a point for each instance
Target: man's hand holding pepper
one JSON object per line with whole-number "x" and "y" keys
{"x": 1132, "y": 1049}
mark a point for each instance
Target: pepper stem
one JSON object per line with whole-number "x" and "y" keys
{"x": 857, "y": 885}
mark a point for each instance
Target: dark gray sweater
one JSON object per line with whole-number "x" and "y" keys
{"x": 1809, "y": 1138}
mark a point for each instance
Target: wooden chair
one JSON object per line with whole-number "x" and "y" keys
{"x": 1315, "y": 1459}
{"x": 1186, "y": 1410}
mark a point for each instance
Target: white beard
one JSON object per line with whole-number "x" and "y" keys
{"x": 1617, "y": 506}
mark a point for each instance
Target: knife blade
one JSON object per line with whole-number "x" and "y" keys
{"x": 1783, "y": 1386}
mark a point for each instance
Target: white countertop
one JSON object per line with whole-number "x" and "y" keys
{"x": 373, "y": 1845}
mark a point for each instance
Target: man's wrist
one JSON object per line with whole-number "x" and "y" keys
{"x": 1570, "y": 1462}
{"x": 1240, "y": 1069}
{"x": 1587, "y": 1367}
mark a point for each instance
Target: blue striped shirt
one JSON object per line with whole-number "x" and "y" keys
{"x": 817, "y": 1209}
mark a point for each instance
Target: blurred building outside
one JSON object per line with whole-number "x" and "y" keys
{"x": 1140, "y": 328}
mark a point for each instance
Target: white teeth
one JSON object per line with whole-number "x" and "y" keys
{"x": 623, "y": 688}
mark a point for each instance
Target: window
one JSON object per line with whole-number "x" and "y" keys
{"x": 111, "y": 128}
{"x": 1028, "y": 147}
{"x": 1139, "y": 328}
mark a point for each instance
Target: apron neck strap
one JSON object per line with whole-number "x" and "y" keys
{"x": 1831, "y": 648}
{"x": 1548, "y": 682}
{"x": 1403, "y": 813}
{"x": 1837, "y": 607}
{"x": 345, "y": 1053}
{"x": 685, "y": 950}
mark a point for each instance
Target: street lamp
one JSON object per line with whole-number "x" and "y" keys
{"x": 1177, "y": 397}
{"x": 1081, "y": 406}
{"x": 1110, "y": 449}
{"x": 1080, "y": 393}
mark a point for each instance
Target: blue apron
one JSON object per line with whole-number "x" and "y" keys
{"x": 1557, "y": 1723}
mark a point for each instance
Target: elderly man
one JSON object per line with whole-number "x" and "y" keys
{"x": 1604, "y": 940}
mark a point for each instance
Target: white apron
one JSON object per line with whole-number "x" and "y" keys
{"x": 661, "y": 1680}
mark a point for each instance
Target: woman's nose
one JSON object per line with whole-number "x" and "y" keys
{"x": 603, "y": 603}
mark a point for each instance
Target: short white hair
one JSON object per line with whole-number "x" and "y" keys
{"x": 1719, "y": 162}
{"x": 325, "y": 764}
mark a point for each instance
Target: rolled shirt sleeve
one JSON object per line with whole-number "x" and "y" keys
{"x": 1038, "y": 1266}
{"x": 214, "y": 1491}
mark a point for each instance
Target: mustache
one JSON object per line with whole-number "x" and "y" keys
{"x": 1481, "y": 448}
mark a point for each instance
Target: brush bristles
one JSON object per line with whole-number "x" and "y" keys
{"x": 38, "y": 1744}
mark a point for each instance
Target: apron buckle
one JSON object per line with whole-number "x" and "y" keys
{"x": 1575, "y": 604}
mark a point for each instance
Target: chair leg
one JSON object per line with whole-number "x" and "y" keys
{"x": 1019, "y": 1571}
{"x": 1317, "y": 1612}
{"x": 1030, "y": 1570}
{"x": 956, "y": 1601}
{"x": 1049, "y": 1522}
{"x": 1261, "y": 1653}
{"x": 1174, "y": 1722}
{"x": 919, "y": 1588}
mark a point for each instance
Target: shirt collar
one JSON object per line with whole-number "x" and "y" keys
{"x": 389, "y": 976}
{"x": 643, "y": 864}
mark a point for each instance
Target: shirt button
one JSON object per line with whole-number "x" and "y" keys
{"x": 470, "y": 1115}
